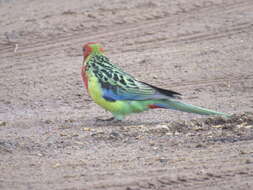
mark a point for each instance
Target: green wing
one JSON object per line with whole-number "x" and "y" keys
{"x": 119, "y": 85}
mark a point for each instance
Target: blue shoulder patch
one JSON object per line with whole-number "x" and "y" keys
{"x": 109, "y": 98}
{"x": 109, "y": 95}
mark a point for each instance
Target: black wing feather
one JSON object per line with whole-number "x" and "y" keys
{"x": 169, "y": 93}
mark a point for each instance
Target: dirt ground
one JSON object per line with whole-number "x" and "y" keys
{"x": 49, "y": 138}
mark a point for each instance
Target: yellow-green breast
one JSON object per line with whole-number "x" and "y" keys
{"x": 96, "y": 94}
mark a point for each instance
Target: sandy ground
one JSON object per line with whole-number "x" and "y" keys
{"x": 49, "y": 138}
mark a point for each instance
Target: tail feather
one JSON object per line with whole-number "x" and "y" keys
{"x": 176, "y": 105}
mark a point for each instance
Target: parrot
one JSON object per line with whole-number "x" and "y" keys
{"x": 121, "y": 94}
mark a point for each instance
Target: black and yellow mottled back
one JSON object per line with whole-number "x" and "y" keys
{"x": 119, "y": 85}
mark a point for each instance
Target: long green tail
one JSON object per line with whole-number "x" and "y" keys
{"x": 176, "y": 105}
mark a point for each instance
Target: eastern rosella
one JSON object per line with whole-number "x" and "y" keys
{"x": 121, "y": 94}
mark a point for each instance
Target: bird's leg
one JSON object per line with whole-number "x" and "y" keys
{"x": 108, "y": 119}
{"x": 116, "y": 118}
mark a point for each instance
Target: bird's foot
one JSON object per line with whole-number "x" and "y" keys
{"x": 108, "y": 119}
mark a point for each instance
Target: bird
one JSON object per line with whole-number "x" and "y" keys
{"x": 121, "y": 94}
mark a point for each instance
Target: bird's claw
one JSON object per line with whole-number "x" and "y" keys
{"x": 108, "y": 119}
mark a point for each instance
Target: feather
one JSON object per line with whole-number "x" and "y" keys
{"x": 119, "y": 85}
{"x": 121, "y": 94}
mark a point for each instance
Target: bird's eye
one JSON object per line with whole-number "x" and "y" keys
{"x": 83, "y": 48}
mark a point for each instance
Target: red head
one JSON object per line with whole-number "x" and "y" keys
{"x": 91, "y": 47}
